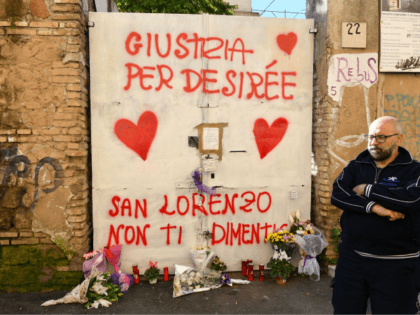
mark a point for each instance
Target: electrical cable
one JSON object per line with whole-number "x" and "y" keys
{"x": 263, "y": 11}
{"x": 268, "y": 7}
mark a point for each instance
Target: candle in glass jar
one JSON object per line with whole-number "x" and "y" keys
{"x": 249, "y": 261}
{"x": 244, "y": 267}
{"x": 165, "y": 274}
{"x": 261, "y": 273}
{"x": 136, "y": 274}
{"x": 251, "y": 272}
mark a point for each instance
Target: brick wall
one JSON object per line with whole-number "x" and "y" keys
{"x": 323, "y": 214}
{"x": 44, "y": 138}
{"x": 332, "y": 120}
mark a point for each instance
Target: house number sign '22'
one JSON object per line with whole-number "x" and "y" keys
{"x": 353, "y": 35}
{"x": 350, "y": 26}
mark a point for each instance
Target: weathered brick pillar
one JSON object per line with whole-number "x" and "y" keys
{"x": 334, "y": 120}
{"x": 45, "y": 220}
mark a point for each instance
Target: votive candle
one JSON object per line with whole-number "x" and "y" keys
{"x": 165, "y": 274}
{"x": 136, "y": 274}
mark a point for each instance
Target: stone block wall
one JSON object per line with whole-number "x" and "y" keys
{"x": 45, "y": 218}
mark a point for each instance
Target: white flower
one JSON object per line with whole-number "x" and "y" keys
{"x": 99, "y": 288}
{"x": 198, "y": 275}
{"x": 104, "y": 302}
{"x": 94, "y": 305}
{"x": 189, "y": 282}
{"x": 308, "y": 228}
{"x": 283, "y": 255}
{"x": 291, "y": 219}
{"x": 300, "y": 232}
{"x": 192, "y": 274}
{"x": 100, "y": 278}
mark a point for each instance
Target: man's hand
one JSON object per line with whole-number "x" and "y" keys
{"x": 360, "y": 189}
{"x": 384, "y": 212}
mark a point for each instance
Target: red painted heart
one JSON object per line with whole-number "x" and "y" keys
{"x": 138, "y": 137}
{"x": 287, "y": 42}
{"x": 267, "y": 138}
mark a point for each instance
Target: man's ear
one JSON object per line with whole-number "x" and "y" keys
{"x": 399, "y": 138}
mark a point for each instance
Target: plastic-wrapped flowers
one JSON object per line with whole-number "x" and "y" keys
{"x": 188, "y": 280}
{"x": 217, "y": 264}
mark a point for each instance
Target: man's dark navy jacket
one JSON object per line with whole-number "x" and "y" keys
{"x": 395, "y": 187}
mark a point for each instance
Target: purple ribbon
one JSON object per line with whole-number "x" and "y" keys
{"x": 307, "y": 257}
{"x": 201, "y": 187}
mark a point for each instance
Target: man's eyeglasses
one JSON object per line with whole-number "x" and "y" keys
{"x": 379, "y": 139}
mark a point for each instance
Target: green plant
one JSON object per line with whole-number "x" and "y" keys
{"x": 335, "y": 237}
{"x": 152, "y": 272}
{"x": 176, "y": 6}
{"x": 280, "y": 268}
{"x": 332, "y": 261}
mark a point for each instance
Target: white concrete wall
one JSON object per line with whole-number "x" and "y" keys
{"x": 243, "y": 5}
{"x": 102, "y": 6}
{"x": 165, "y": 175}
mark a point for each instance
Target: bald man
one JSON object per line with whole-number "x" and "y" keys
{"x": 379, "y": 193}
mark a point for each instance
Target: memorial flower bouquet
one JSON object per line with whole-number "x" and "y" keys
{"x": 280, "y": 268}
{"x": 217, "y": 264}
{"x": 99, "y": 258}
{"x": 188, "y": 280}
{"x": 102, "y": 291}
{"x": 152, "y": 273}
{"x": 97, "y": 289}
{"x": 298, "y": 227}
{"x": 282, "y": 240}
{"x": 302, "y": 228}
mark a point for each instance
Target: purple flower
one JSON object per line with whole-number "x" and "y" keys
{"x": 225, "y": 278}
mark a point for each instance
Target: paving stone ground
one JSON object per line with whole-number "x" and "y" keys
{"x": 298, "y": 296}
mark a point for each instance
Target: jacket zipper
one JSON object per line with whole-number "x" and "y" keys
{"x": 377, "y": 173}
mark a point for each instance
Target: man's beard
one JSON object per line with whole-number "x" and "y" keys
{"x": 380, "y": 155}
